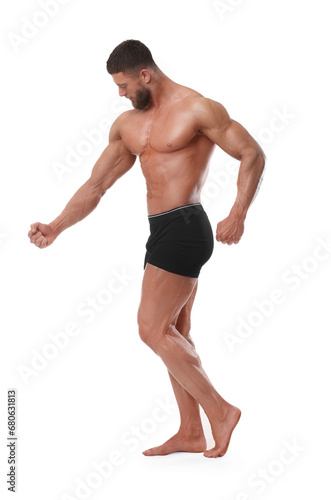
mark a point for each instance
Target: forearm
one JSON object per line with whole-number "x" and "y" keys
{"x": 249, "y": 180}
{"x": 79, "y": 206}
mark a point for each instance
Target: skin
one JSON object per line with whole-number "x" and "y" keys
{"x": 173, "y": 130}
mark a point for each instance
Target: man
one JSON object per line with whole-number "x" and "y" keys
{"x": 173, "y": 130}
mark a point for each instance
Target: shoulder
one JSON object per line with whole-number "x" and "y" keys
{"x": 208, "y": 113}
{"x": 124, "y": 118}
{"x": 119, "y": 124}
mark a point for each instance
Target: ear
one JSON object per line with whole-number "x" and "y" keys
{"x": 145, "y": 74}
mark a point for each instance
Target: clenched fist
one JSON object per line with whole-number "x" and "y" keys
{"x": 42, "y": 235}
{"x": 230, "y": 230}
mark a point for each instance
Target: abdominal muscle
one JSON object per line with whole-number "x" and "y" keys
{"x": 176, "y": 178}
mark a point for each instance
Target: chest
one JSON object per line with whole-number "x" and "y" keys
{"x": 163, "y": 132}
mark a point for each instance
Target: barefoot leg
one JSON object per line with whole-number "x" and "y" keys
{"x": 190, "y": 436}
{"x": 163, "y": 297}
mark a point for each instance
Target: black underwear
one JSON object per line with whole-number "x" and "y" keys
{"x": 181, "y": 240}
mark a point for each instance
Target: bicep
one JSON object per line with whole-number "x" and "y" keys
{"x": 228, "y": 134}
{"x": 114, "y": 162}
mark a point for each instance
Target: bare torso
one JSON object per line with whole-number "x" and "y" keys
{"x": 173, "y": 153}
{"x": 174, "y": 140}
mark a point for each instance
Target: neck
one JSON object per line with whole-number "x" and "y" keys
{"x": 162, "y": 89}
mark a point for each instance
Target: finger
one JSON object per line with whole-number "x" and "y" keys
{"x": 227, "y": 239}
{"x": 222, "y": 238}
{"x": 34, "y": 228}
{"x": 44, "y": 243}
{"x": 35, "y": 237}
{"x": 30, "y": 233}
{"x": 39, "y": 240}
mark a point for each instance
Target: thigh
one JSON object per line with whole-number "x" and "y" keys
{"x": 163, "y": 296}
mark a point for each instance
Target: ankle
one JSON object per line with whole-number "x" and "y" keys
{"x": 217, "y": 411}
{"x": 191, "y": 429}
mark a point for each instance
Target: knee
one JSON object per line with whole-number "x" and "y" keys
{"x": 150, "y": 333}
{"x": 145, "y": 329}
{"x": 145, "y": 333}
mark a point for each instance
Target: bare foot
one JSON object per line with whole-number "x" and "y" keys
{"x": 222, "y": 430}
{"x": 179, "y": 442}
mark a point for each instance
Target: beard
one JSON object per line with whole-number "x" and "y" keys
{"x": 142, "y": 99}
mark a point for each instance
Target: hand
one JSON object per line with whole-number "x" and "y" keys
{"x": 230, "y": 230}
{"x": 42, "y": 235}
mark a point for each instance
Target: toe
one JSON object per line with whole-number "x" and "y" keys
{"x": 147, "y": 452}
{"x": 154, "y": 451}
{"x": 212, "y": 453}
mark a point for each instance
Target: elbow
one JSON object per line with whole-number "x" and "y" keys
{"x": 260, "y": 163}
{"x": 262, "y": 156}
{"x": 254, "y": 155}
{"x": 261, "y": 159}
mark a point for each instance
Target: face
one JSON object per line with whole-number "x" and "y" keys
{"x": 133, "y": 89}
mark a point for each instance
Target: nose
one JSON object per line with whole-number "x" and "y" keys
{"x": 122, "y": 92}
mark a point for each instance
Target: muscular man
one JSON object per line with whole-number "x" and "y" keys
{"x": 173, "y": 130}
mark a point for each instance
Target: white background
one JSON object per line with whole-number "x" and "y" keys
{"x": 261, "y": 60}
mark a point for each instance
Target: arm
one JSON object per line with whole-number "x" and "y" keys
{"x": 233, "y": 138}
{"x": 114, "y": 162}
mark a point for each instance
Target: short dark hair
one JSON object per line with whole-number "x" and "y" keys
{"x": 130, "y": 56}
